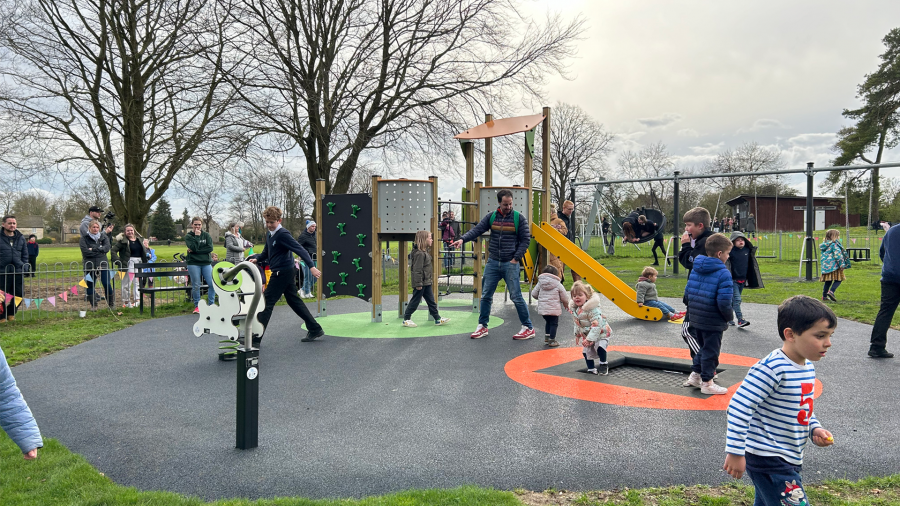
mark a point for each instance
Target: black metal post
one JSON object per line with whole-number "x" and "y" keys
{"x": 810, "y": 220}
{"x": 571, "y": 190}
{"x": 676, "y": 221}
{"x": 247, "y": 433}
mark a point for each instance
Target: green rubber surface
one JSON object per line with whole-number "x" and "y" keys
{"x": 360, "y": 324}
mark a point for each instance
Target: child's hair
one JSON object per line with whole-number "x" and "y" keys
{"x": 272, "y": 213}
{"x": 800, "y": 312}
{"x": 421, "y": 239}
{"x": 697, "y": 216}
{"x": 717, "y": 243}
{"x": 649, "y": 271}
{"x": 583, "y": 288}
{"x": 550, "y": 270}
{"x": 832, "y": 234}
{"x": 642, "y": 218}
{"x": 560, "y": 225}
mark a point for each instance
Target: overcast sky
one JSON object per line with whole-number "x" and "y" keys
{"x": 703, "y": 77}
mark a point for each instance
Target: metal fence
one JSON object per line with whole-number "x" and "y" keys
{"x": 773, "y": 246}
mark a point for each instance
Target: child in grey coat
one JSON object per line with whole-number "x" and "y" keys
{"x": 549, "y": 293}
{"x": 647, "y": 295}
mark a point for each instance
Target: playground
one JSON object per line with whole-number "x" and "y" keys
{"x": 363, "y": 415}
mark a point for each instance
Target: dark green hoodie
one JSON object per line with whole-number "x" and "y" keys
{"x": 201, "y": 246}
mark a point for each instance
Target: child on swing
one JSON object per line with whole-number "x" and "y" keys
{"x": 420, "y": 270}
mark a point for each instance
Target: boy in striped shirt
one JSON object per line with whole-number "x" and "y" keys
{"x": 771, "y": 415}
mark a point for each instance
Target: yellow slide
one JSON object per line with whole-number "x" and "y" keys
{"x": 599, "y": 277}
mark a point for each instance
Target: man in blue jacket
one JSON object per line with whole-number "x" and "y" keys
{"x": 279, "y": 245}
{"x": 13, "y": 265}
{"x": 890, "y": 291}
{"x": 15, "y": 416}
{"x": 509, "y": 240}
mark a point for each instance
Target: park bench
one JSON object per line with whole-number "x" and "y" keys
{"x": 162, "y": 270}
{"x": 859, "y": 254}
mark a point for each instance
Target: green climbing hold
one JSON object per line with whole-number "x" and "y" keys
{"x": 343, "y": 276}
{"x": 341, "y": 228}
{"x": 356, "y": 264}
{"x": 331, "y": 287}
{"x": 362, "y": 288}
{"x": 356, "y": 209}
{"x": 331, "y": 207}
{"x": 335, "y": 255}
{"x": 362, "y": 238}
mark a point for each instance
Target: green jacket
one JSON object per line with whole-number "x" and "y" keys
{"x": 201, "y": 246}
{"x": 420, "y": 268}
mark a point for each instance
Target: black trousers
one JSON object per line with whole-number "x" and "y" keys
{"x": 658, "y": 243}
{"x": 13, "y": 283}
{"x": 282, "y": 283}
{"x": 551, "y": 324}
{"x": 417, "y": 297}
{"x": 706, "y": 362}
{"x": 890, "y": 298}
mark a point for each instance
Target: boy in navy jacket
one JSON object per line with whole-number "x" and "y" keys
{"x": 708, "y": 297}
{"x": 279, "y": 245}
{"x": 693, "y": 241}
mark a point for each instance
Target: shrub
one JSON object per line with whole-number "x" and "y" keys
{"x": 45, "y": 240}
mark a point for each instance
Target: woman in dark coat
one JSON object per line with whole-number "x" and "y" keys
{"x": 94, "y": 247}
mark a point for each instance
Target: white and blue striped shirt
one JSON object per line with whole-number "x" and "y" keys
{"x": 771, "y": 413}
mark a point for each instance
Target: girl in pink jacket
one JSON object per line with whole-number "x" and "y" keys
{"x": 550, "y": 293}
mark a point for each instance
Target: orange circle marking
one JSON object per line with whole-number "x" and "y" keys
{"x": 523, "y": 369}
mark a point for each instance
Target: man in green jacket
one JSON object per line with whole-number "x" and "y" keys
{"x": 199, "y": 261}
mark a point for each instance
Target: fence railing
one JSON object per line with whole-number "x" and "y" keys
{"x": 774, "y": 246}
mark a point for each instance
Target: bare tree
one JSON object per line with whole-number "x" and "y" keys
{"x": 651, "y": 162}
{"x": 132, "y": 89}
{"x": 749, "y": 157}
{"x": 338, "y": 77}
{"x": 205, "y": 187}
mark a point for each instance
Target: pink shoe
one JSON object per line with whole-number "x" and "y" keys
{"x": 525, "y": 333}
{"x": 480, "y": 332}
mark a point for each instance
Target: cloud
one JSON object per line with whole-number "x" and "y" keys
{"x": 688, "y": 132}
{"x": 708, "y": 148}
{"x": 660, "y": 121}
{"x": 762, "y": 124}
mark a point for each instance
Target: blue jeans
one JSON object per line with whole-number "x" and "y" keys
{"x": 706, "y": 362}
{"x": 736, "y": 300}
{"x": 666, "y": 309}
{"x": 494, "y": 271}
{"x": 198, "y": 274}
{"x": 308, "y": 279}
{"x": 769, "y": 488}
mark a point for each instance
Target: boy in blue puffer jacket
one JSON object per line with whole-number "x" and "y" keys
{"x": 708, "y": 297}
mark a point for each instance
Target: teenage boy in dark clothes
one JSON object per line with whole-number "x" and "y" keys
{"x": 744, "y": 271}
{"x": 708, "y": 297}
{"x": 890, "y": 291}
{"x": 279, "y": 245}
{"x": 693, "y": 241}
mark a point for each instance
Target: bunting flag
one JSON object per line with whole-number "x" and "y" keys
{"x": 64, "y": 296}
{"x": 37, "y": 303}
{"x": 121, "y": 275}
{"x": 52, "y": 301}
{"x": 27, "y": 303}
{"x": 88, "y": 278}
{"x": 853, "y": 240}
{"x": 250, "y": 252}
{"x": 74, "y": 290}
{"x": 81, "y": 284}
{"x": 766, "y": 236}
{"x": 130, "y": 276}
{"x": 18, "y": 301}
{"x": 9, "y": 298}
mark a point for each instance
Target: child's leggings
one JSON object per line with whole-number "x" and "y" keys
{"x": 666, "y": 309}
{"x": 417, "y": 297}
{"x": 830, "y": 286}
{"x": 590, "y": 363}
{"x": 551, "y": 324}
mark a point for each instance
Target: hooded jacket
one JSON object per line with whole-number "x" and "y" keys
{"x": 549, "y": 292}
{"x": 93, "y": 253}
{"x": 754, "y": 277}
{"x": 645, "y": 290}
{"x": 832, "y": 257}
{"x": 120, "y": 251}
{"x": 708, "y": 294}
{"x": 507, "y": 242}
{"x": 234, "y": 248}
{"x": 307, "y": 239}
{"x": 201, "y": 246}
{"x": 13, "y": 252}
{"x": 420, "y": 268}
{"x": 15, "y": 416}
{"x": 590, "y": 311}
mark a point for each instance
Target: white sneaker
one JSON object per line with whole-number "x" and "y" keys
{"x": 409, "y": 323}
{"x": 710, "y": 388}
{"x": 442, "y": 321}
{"x": 693, "y": 381}
{"x": 593, "y": 371}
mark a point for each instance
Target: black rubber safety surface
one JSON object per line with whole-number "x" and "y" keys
{"x": 152, "y": 407}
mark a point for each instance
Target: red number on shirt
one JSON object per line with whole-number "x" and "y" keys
{"x": 803, "y": 415}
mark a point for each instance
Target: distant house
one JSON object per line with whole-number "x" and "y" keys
{"x": 790, "y": 212}
{"x": 70, "y": 231}
{"x": 29, "y": 225}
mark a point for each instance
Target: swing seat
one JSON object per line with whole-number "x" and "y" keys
{"x": 654, "y": 215}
